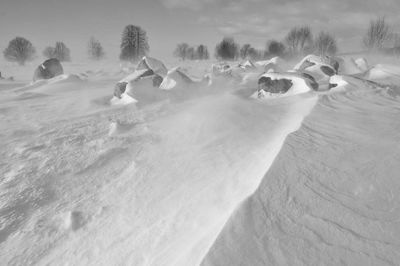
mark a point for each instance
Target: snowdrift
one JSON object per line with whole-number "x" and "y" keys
{"x": 329, "y": 197}
{"x": 216, "y": 178}
{"x": 275, "y": 64}
{"x": 152, "y": 82}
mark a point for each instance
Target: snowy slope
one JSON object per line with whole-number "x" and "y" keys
{"x": 85, "y": 182}
{"x": 180, "y": 182}
{"x": 331, "y": 196}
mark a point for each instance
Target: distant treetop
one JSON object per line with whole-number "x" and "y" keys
{"x": 19, "y": 50}
{"x": 134, "y": 44}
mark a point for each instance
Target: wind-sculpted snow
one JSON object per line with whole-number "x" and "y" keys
{"x": 86, "y": 182}
{"x": 331, "y": 196}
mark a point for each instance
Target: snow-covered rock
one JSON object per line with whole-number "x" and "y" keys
{"x": 348, "y": 66}
{"x": 289, "y": 83}
{"x": 155, "y": 65}
{"x": 174, "y": 77}
{"x": 149, "y": 69}
{"x": 311, "y": 60}
{"x": 362, "y": 63}
{"x": 319, "y": 68}
{"x": 386, "y": 74}
{"x": 275, "y": 64}
{"x": 248, "y": 64}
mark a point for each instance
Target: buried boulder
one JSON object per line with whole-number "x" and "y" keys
{"x": 288, "y": 83}
{"x": 311, "y": 60}
{"x": 221, "y": 69}
{"x": 147, "y": 68}
{"x": 319, "y": 68}
{"x": 119, "y": 89}
{"x": 362, "y": 64}
{"x": 248, "y": 64}
{"x": 48, "y": 69}
{"x": 155, "y": 65}
{"x": 274, "y": 85}
{"x": 275, "y": 64}
{"x": 177, "y": 77}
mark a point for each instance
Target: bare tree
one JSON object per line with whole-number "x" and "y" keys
{"x": 60, "y": 51}
{"x": 184, "y": 51}
{"x": 299, "y": 40}
{"x": 254, "y": 54}
{"x": 191, "y": 53}
{"x": 395, "y": 38}
{"x": 134, "y": 44}
{"x": 95, "y": 49}
{"x": 48, "y": 52}
{"x": 276, "y": 48}
{"x": 227, "y": 49}
{"x": 244, "y": 51}
{"x": 181, "y": 51}
{"x": 202, "y": 52}
{"x": 377, "y": 34}
{"x": 19, "y": 50}
{"x": 325, "y": 44}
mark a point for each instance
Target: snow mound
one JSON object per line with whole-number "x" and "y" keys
{"x": 123, "y": 100}
{"x": 320, "y": 68}
{"x": 349, "y": 66}
{"x": 248, "y": 64}
{"x": 149, "y": 63}
{"x": 136, "y": 75}
{"x": 148, "y": 69}
{"x": 174, "y": 77}
{"x": 64, "y": 78}
{"x": 275, "y": 64}
{"x": 330, "y": 197}
{"x": 362, "y": 64}
{"x": 221, "y": 69}
{"x": 386, "y": 74}
{"x": 311, "y": 60}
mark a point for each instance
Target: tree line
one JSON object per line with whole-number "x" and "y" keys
{"x": 134, "y": 45}
{"x": 298, "y": 41}
{"x": 184, "y": 51}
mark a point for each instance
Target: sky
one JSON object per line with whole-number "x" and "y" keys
{"x": 168, "y": 22}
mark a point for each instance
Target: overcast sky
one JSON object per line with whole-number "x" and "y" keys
{"x": 168, "y": 22}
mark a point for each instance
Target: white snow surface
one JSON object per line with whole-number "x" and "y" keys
{"x": 211, "y": 178}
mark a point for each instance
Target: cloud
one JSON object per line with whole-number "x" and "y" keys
{"x": 232, "y": 5}
{"x": 272, "y": 19}
{"x": 188, "y": 4}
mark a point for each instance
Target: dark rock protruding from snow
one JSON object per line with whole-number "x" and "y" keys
{"x": 312, "y": 60}
{"x": 120, "y": 88}
{"x": 274, "y": 86}
{"x": 312, "y": 82}
{"x": 288, "y": 83}
{"x": 157, "y": 80}
{"x": 49, "y": 69}
{"x": 306, "y": 64}
{"x": 153, "y": 64}
{"x": 328, "y": 71}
